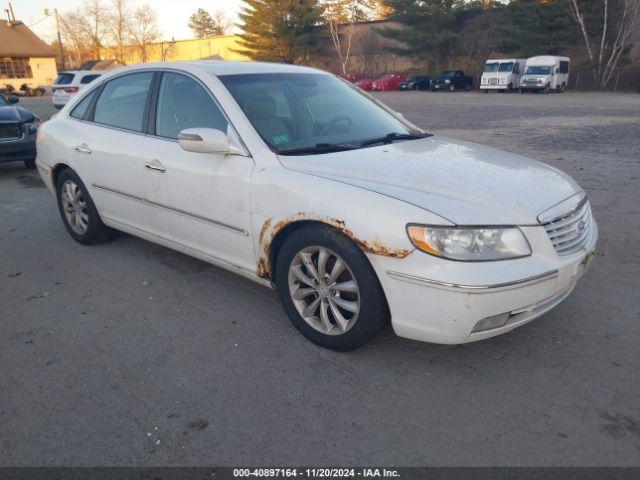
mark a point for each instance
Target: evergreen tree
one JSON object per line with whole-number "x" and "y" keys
{"x": 429, "y": 28}
{"x": 202, "y": 24}
{"x": 280, "y": 30}
{"x": 533, "y": 28}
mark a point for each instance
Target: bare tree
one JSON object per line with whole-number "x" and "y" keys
{"x": 75, "y": 39}
{"x": 119, "y": 27}
{"x": 144, "y": 30}
{"x": 340, "y": 18}
{"x": 221, "y": 22}
{"x": 93, "y": 23}
{"x": 619, "y": 18}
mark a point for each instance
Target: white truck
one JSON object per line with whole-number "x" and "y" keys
{"x": 546, "y": 73}
{"x": 502, "y": 74}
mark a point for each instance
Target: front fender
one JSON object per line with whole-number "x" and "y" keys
{"x": 375, "y": 222}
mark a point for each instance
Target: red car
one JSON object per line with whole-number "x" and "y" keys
{"x": 365, "y": 84}
{"x": 391, "y": 81}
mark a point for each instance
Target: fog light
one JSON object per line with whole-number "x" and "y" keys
{"x": 490, "y": 323}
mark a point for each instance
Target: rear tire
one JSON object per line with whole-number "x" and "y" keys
{"x": 78, "y": 212}
{"x": 345, "y": 308}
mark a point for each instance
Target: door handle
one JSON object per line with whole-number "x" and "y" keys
{"x": 156, "y": 166}
{"x": 83, "y": 149}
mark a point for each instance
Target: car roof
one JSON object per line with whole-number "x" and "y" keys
{"x": 224, "y": 67}
{"x": 81, "y": 72}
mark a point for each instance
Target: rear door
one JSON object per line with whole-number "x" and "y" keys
{"x": 199, "y": 200}
{"x": 107, "y": 147}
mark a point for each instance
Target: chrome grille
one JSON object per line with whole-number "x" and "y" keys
{"x": 570, "y": 231}
{"x": 493, "y": 81}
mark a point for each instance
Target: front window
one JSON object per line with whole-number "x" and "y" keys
{"x": 183, "y": 103}
{"x": 491, "y": 67}
{"x": 3, "y": 102}
{"x": 506, "y": 67}
{"x": 538, "y": 70}
{"x": 294, "y": 111}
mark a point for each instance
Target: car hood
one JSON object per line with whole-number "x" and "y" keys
{"x": 465, "y": 183}
{"x": 14, "y": 115}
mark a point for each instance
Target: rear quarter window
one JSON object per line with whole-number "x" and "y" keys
{"x": 64, "y": 79}
{"x": 88, "y": 79}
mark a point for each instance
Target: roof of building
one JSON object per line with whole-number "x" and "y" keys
{"x": 16, "y": 40}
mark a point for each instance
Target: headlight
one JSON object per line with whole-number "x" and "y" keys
{"x": 470, "y": 244}
{"x": 32, "y": 127}
{"x": 447, "y": 81}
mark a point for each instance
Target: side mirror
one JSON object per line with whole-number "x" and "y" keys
{"x": 204, "y": 140}
{"x": 13, "y": 99}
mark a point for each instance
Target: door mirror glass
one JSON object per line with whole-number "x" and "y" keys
{"x": 14, "y": 99}
{"x": 203, "y": 140}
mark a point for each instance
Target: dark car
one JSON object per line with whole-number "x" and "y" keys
{"x": 18, "y": 130}
{"x": 416, "y": 82}
{"x": 451, "y": 80}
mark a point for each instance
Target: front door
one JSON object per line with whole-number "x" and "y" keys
{"x": 198, "y": 200}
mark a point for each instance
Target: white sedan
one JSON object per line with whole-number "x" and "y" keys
{"x": 298, "y": 180}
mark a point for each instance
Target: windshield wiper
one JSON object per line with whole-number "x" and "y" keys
{"x": 393, "y": 136}
{"x": 318, "y": 148}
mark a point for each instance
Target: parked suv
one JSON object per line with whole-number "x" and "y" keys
{"x": 451, "y": 80}
{"x": 67, "y": 84}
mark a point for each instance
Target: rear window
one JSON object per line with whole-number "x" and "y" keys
{"x": 88, "y": 79}
{"x": 64, "y": 79}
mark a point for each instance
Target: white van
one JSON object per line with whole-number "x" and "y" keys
{"x": 67, "y": 84}
{"x": 502, "y": 74}
{"x": 546, "y": 73}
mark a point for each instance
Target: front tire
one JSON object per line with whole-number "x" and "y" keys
{"x": 328, "y": 288}
{"x": 78, "y": 212}
{"x": 452, "y": 88}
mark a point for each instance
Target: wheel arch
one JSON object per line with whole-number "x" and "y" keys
{"x": 278, "y": 239}
{"x": 56, "y": 170}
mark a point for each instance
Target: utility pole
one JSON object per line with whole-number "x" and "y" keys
{"x": 55, "y": 13}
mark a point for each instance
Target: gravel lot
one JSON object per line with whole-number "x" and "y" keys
{"x": 132, "y": 354}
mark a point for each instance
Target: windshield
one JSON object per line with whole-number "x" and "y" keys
{"x": 491, "y": 67}
{"x": 506, "y": 67}
{"x": 538, "y": 71}
{"x": 310, "y": 110}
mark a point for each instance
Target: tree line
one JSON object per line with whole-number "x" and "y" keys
{"x": 438, "y": 33}
{"x": 112, "y": 27}
{"x": 108, "y": 24}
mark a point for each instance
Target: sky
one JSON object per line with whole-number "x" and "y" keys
{"x": 173, "y": 16}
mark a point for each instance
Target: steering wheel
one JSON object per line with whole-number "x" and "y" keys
{"x": 335, "y": 121}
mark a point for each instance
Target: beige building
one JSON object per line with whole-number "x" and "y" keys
{"x": 24, "y": 58}
{"x": 217, "y": 47}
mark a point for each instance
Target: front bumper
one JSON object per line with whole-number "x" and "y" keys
{"x": 18, "y": 150}
{"x": 441, "y": 301}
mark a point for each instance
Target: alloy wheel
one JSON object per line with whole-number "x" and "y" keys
{"x": 324, "y": 290}
{"x": 74, "y": 206}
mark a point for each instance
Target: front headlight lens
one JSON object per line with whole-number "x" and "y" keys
{"x": 470, "y": 244}
{"x": 32, "y": 127}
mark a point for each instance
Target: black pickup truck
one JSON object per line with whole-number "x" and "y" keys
{"x": 451, "y": 80}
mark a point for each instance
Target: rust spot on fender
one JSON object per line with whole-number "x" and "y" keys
{"x": 269, "y": 230}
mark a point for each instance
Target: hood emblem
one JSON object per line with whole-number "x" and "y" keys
{"x": 581, "y": 226}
